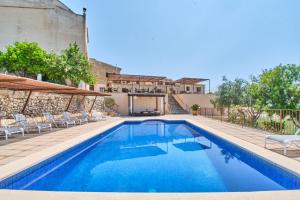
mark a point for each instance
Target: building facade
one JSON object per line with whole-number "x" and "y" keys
{"x": 100, "y": 71}
{"x": 125, "y": 83}
{"x": 50, "y": 23}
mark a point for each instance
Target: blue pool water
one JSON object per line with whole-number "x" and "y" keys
{"x": 155, "y": 156}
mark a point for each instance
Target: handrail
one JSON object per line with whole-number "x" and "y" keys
{"x": 182, "y": 104}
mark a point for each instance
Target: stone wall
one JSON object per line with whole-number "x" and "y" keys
{"x": 13, "y": 102}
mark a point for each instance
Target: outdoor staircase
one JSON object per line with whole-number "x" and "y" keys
{"x": 174, "y": 106}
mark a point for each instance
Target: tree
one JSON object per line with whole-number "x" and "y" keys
{"x": 56, "y": 69}
{"x": 279, "y": 88}
{"x": 28, "y": 59}
{"x": 76, "y": 66}
{"x": 241, "y": 95}
{"x": 230, "y": 93}
{"x": 24, "y": 58}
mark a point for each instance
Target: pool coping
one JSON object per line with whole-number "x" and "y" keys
{"x": 21, "y": 164}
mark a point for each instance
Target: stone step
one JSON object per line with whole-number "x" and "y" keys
{"x": 175, "y": 107}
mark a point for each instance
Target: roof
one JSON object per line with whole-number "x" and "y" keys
{"x": 147, "y": 94}
{"x": 127, "y": 77}
{"x": 186, "y": 80}
{"x": 94, "y": 60}
{"x": 18, "y": 83}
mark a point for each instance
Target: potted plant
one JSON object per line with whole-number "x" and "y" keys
{"x": 195, "y": 109}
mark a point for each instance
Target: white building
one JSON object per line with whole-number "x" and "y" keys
{"x": 50, "y": 23}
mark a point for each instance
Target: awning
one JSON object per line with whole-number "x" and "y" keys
{"x": 16, "y": 83}
{"x": 127, "y": 77}
{"x": 190, "y": 80}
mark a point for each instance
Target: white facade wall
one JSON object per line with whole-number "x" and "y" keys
{"x": 48, "y": 22}
{"x": 140, "y": 103}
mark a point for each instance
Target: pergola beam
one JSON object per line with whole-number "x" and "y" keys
{"x": 93, "y": 104}
{"x": 26, "y": 102}
{"x": 70, "y": 101}
{"x": 127, "y": 77}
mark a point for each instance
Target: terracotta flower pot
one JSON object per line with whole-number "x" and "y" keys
{"x": 194, "y": 112}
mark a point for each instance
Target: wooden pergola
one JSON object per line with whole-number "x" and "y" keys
{"x": 193, "y": 81}
{"x": 16, "y": 83}
{"x": 127, "y": 77}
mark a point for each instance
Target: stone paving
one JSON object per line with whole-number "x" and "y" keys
{"x": 24, "y": 146}
{"x": 251, "y": 135}
{"x": 20, "y": 147}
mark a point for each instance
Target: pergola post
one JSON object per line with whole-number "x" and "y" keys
{"x": 164, "y": 105}
{"x": 68, "y": 106}
{"x": 93, "y": 104}
{"x": 130, "y": 105}
{"x": 193, "y": 89}
{"x": 26, "y": 102}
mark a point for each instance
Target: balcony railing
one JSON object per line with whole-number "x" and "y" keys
{"x": 135, "y": 90}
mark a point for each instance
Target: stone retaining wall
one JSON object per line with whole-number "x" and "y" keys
{"x": 13, "y": 102}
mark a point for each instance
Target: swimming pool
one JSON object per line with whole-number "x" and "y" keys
{"x": 155, "y": 156}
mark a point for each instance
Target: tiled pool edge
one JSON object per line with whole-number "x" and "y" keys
{"x": 280, "y": 160}
{"x": 37, "y": 195}
{"x": 276, "y": 158}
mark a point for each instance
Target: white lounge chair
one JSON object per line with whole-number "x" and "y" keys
{"x": 97, "y": 116}
{"x": 68, "y": 118}
{"x": 56, "y": 122}
{"x": 85, "y": 118}
{"x": 285, "y": 140}
{"x": 22, "y": 121}
{"x": 8, "y": 131}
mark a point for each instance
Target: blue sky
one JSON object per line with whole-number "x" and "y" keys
{"x": 193, "y": 38}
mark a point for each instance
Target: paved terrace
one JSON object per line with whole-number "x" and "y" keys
{"x": 254, "y": 136}
{"x": 20, "y": 147}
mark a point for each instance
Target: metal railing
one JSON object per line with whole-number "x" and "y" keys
{"x": 283, "y": 121}
{"x": 181, "y": 103}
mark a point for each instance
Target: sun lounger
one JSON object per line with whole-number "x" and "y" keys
{"x": 97, "y": 116}
{"x": 8, "y": 131}
{"x": 22, "y": 121}
{"x": 84, "y": 117}
{"x": 68, "y": 118}
{"x": 56, "y": 122}
{"x": 285, "y": 140}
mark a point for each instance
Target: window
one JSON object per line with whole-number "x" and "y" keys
{"x": 102, "y": 89}
{"x": 92, "y": 87}
{"x": 187, "y": 88}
